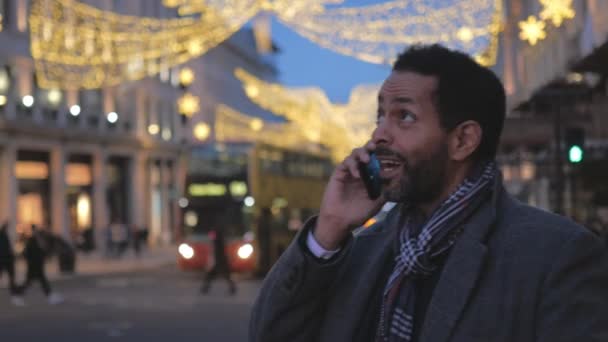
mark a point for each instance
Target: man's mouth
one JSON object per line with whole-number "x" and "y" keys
{"x": 390, "y": 167}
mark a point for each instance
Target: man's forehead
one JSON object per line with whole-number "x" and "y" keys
{"x": 407, "y": 83}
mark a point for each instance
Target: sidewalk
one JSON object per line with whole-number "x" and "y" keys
{"x": 96, "y": 263}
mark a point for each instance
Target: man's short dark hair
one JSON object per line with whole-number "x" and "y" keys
{"x": 465, "y": 91}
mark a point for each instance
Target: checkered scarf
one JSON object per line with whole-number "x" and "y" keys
{"x": 416, "y": 252}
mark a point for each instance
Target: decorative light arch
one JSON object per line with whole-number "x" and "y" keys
{"x": 79, "y": 46}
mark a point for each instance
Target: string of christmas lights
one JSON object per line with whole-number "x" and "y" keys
{"x": 377, "y": 33}
{"x": 533, "y": 29}
{"x": 79, "y": 46}
{"x": 233, "y": 126}
{"x": 339, "y": 127}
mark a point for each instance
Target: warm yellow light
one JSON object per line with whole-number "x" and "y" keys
{"x": 252, "y": 91}
{"x": 257, "y": 124}
{"x": 557, "y": 11}
{"x": 2, "y": 100}
{"x": 465, "y": 34}
{"x": 153, "y": 129}
{"x": 31, "y": 170}
{"x": 186, "y": 76}
{"x": 83, "y": 211}
{"x": 172, "y": 3}
{"x": 195, "y": 47}
{"x": 575, "y": 77}
{"x": 4, "y": 80}
{"x": 188, "y": 104}
{"x": 370, "y": 222}
{"x": 532, "y": 30}
{"x": 191, "y": 218}
{"x": 54, "y": 96}
{"x": 528, "y": 170}
{"x": 78, "y": 174}
{"x": 313, "y": 119}
{"x": 201, "y": 131}
{"x": 76, "y": 45}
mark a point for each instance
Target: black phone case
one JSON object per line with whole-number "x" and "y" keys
{"x": 370, "y": 175}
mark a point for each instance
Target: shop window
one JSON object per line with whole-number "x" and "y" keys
{"x": 32, "y": 173}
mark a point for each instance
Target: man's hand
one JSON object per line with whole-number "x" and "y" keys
{"x": 345, "y": 204}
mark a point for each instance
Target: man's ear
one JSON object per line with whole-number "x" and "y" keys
{"x": 464, "y": 140}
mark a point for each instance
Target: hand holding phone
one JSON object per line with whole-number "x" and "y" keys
{"x": 370, "y": 175}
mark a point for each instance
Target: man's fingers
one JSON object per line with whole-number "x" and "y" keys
{"x": 359, "y": 155}
{"x": 352, "y": 165}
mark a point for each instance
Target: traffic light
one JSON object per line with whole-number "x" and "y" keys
{"x": 575, "y": 144}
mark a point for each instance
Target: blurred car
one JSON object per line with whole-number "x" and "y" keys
{"x": 195, "y": 253}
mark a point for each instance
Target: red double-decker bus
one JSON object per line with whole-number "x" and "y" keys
{"x": 258, "y": 195}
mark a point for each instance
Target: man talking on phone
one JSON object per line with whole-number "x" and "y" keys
{"x": 458, "y": 259}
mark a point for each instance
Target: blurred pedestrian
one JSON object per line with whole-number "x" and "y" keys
{"x": 7, "y": 263}
{"x": 34, "y": 253}
{"x": 140, "y": 236}
{"x": 221, "y": 266}
{"x": 120, "y": 238}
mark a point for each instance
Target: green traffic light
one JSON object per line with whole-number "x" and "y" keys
{"x": 575, "y": 154}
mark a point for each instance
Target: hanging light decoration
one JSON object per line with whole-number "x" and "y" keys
{"x": 188, "y": 105}
{"x": 532, "y": 30}
{"x": 186, "y": 77}
{"x": 234, "y": 126}
{"x": 377, "y": 33}
{"x": 557, "y": 11}
{"x": 201, "y": 131}
{"x": 79, "y": 46}
{"x": 339, "y": 127}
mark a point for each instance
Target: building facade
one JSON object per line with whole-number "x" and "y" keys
{"x": 79, "y": 161}
{"x": 554, "y": 87}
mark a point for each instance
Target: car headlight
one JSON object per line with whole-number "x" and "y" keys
{"x": 186, "y": 251}
{"x": 245, "y": 251}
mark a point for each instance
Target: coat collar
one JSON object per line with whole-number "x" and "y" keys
{"x": 461, "y": 270}
{"x": 459, "y": 274}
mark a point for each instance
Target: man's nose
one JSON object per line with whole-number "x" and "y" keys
{"x": 382, "y": 135}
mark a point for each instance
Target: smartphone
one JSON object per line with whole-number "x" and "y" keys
{"x": 370, "y": 175}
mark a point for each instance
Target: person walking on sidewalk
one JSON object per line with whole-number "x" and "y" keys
{"x": 7, "y": 263}
{"x": 221, "y": 266}
{"x": 34, "y": 253}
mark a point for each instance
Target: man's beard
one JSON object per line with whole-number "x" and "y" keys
{"x": 422, "y": 181}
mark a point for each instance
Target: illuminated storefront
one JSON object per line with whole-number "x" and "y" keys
{"x": 32, "y": 173}
{"x": 79, "y": 182}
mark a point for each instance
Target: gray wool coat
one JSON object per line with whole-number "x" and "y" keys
{"x": 516, "y": 274}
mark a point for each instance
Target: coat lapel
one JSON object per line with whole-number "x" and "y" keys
{"x": 459, "y": 275}
{"x": 370, "y": 252}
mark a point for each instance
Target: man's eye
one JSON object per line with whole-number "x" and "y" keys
{"x": 406, "y": 116}
{"x": 380, "y": 117}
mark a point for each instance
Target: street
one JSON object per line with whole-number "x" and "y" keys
{"x": 157, "y": 305}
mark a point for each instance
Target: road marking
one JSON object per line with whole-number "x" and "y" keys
{"x": 118, "y": 282}
{"x": 111, "y": 328}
